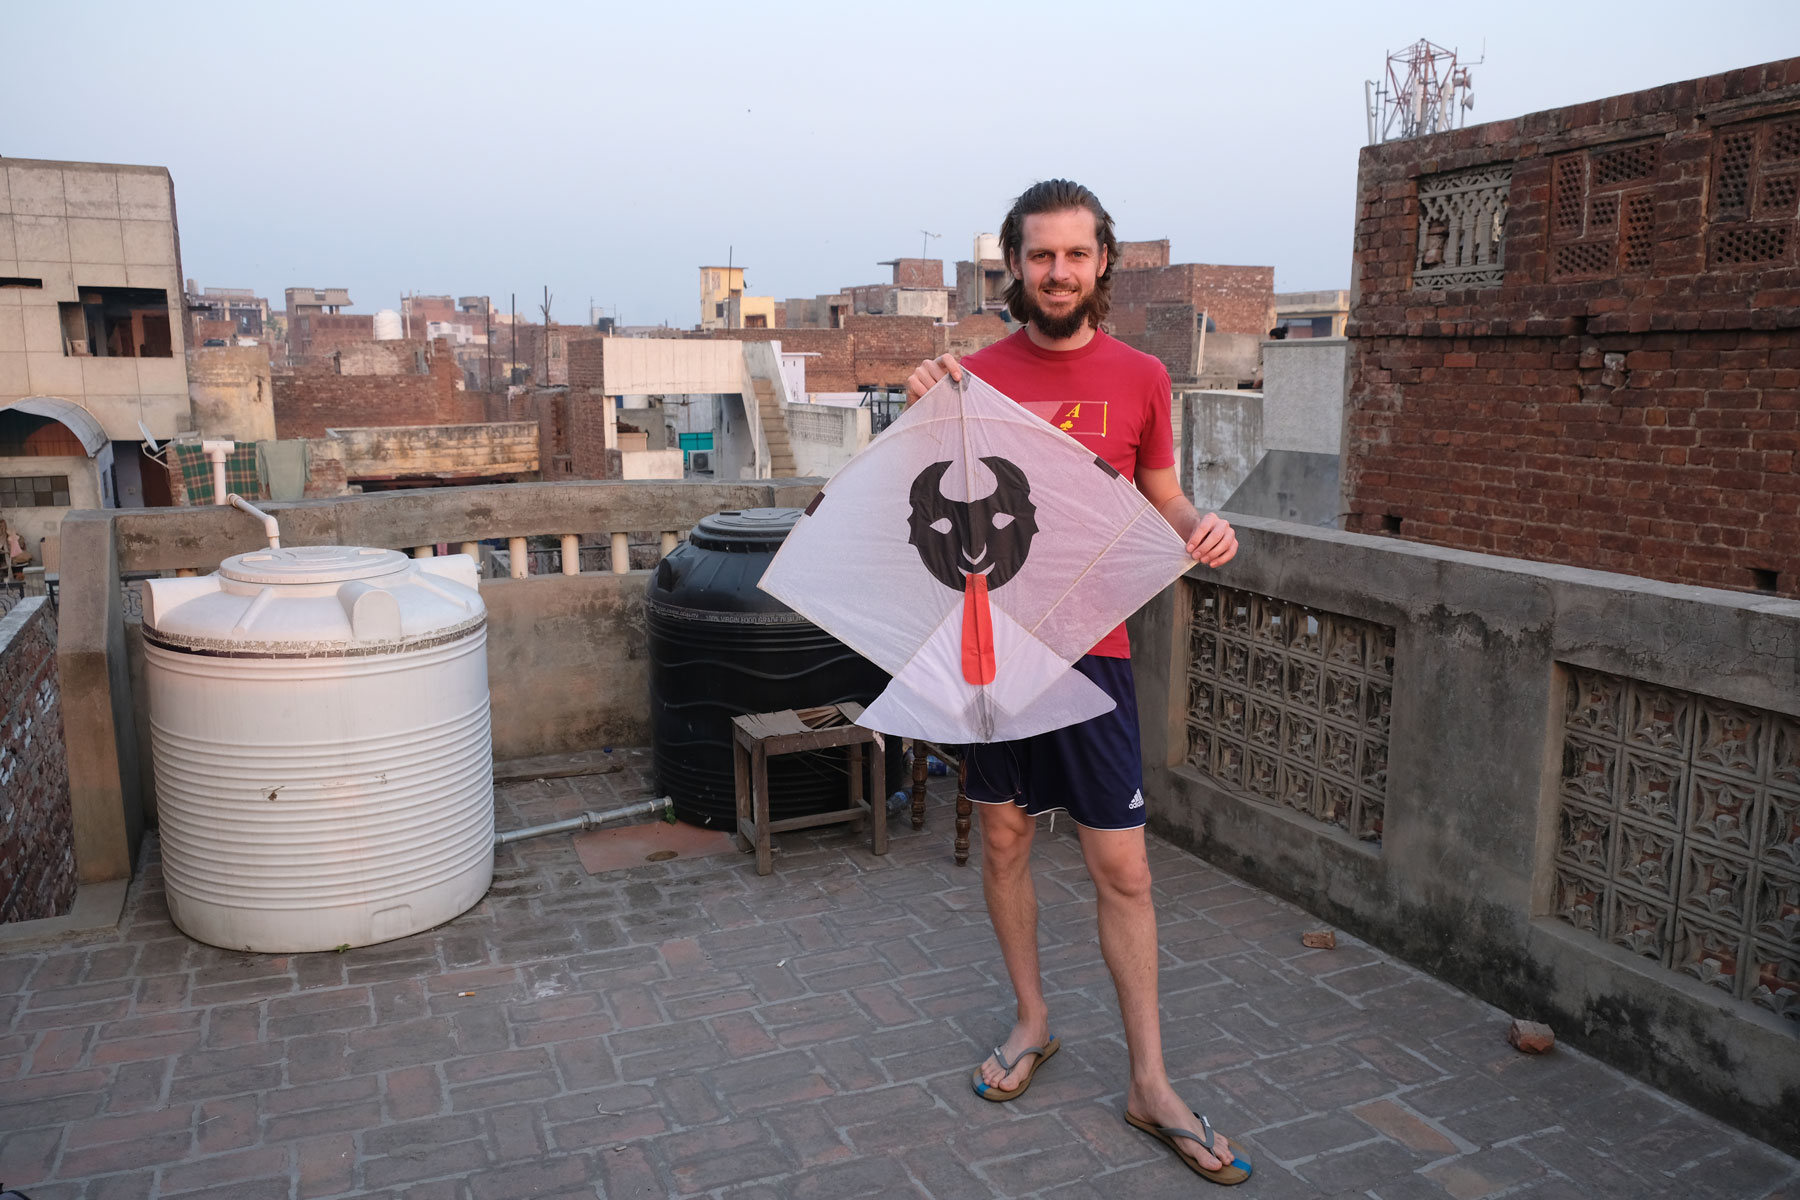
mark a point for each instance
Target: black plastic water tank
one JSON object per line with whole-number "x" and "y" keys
{"x": 720, "y": 647}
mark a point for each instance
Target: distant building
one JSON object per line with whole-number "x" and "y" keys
{"x": 981, "y": 281}
{"x": 1312, "y": 314}
{"x": 317, "y": 324}
{"x": 226, "y": 316}
{"x": 723, "y": 304}
{"x": 92, "y": 339}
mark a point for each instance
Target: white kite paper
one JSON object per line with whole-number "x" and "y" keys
{"x": 974, "y": 551}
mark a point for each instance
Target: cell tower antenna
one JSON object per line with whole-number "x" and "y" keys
{"x": 1426, "y": 89}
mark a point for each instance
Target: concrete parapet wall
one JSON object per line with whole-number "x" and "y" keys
{"x": 1221, "y": 443}
{"x": 565, "y": 652}
{"x": 825, "y": 436}
{"x": 1534, "y": 781}
{"x": 1303, "y": 394}
{"x": 442, "y": 451}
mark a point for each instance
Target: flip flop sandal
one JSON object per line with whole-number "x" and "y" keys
{"x": 1236, "y": 1171}
{"x": 987, "y": 1092}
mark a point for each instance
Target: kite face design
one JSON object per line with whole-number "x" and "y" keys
{"x": 959, "y": 538}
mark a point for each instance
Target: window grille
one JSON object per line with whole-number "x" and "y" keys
{"x": 1462, "y": 228}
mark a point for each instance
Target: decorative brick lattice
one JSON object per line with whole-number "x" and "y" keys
{"x": 1582, "y": 258}
{"x": 1617, "y": 233}
{"x": 1570, "y": 186}
{"x": 1748, "y": 244}
{"x": 1754, "y": 192}
{"x": 1290, "y": 705}
{"x": 1784, "y": 142}
{"x": 1638, "y": 236}
{"x": 1778, "y": 192}
{"x": 1731, "y": 190}
{"x": 1462, "y": 228}
{"x": 1679, "y": 837}
{"x": 1624, "y": 165}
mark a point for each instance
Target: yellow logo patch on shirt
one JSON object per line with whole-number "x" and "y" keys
{"x": 1079, "y": 417}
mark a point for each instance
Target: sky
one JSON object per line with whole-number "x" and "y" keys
{"x": 607, "y": 151}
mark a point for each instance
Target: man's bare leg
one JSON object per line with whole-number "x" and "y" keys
{"x": 1120, "y": 868}
{"x": 1006, "y": 833}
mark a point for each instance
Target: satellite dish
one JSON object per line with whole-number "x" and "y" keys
{"x": 148, "y": 440}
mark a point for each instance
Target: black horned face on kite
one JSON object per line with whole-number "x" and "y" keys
{"x": 959, "y": 538}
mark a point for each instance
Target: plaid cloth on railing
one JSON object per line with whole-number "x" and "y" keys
{"x": 193, "y": 472}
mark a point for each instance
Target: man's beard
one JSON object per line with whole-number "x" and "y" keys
{"x": 1056, "y": 328}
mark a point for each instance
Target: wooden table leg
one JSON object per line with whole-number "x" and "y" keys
{"x": 856, "y": 783}
{"x": 759, "y": 793}
{"x": 878, "y": 791}
{"x": 964, "y": 810}
{"x": 740, "y": 769}
{"x": 920, "y": 755}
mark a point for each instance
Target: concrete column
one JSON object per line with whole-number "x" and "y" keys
{"x": 571, "y": 556}
{"x": 473, "y": 550}
{"x": 668, "y": 542}
{"x": 621, "y": 554}
{"x": 515, "y": 550}
{"x": 424, "y": 551}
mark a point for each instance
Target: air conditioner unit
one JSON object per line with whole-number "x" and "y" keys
{"x": 700, "y": 461}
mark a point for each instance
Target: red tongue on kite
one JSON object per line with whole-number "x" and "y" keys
{"x": 978, "y": 632}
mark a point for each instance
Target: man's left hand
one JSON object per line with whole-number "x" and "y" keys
{"x": 1213, "y": 542}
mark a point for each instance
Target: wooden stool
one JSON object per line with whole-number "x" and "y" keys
{"x": 758, "y": 736}
{"x": 963, "y": 807}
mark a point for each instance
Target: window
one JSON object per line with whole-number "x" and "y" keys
{"x": 19, "y": 281}
{"x": 116, "y": 322}
{"x": 35, "y": 491}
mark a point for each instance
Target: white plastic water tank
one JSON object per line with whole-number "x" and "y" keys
{"x": 387, "y": 326}
{"x": 987, "y": 246}
{"x": 319, "y": 724}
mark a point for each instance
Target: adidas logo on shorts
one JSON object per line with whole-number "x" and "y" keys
{"x": 1137, "y": 801}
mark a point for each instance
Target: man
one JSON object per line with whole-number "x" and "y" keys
{"x": 1060, "y": 249}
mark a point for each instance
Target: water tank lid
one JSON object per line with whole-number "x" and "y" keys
{"x": 746, "y": 531}
{"x": 313, "y": 564}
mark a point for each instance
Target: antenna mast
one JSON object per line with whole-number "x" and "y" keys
{"x": 1425, "y": 90}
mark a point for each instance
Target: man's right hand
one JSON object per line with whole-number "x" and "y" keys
{"x": 929, "y": 372}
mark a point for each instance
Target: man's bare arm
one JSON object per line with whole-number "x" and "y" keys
{"x": 1210, "y": 539}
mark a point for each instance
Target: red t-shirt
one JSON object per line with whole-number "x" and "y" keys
{"x": 1112, "y": 399}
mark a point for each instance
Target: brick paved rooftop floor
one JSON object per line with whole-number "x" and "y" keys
{"x": 689, "y": 1028}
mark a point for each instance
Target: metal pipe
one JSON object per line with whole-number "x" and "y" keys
{"x": 218, "y": 452}
{"x": 588, "y": 820}
{"x": 271, "y": 528}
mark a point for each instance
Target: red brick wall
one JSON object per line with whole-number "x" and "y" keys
{"x": 310, "y": 400}
{"x": 888, "y": 349}
{"x": 1627, "y": 396}
{"x": 918, "y": 272}
{"x": 1171, "y": 333}
{"x": 834, "y": 370}
{"x": 975, "y": 332}
{"x": 1238, "y": 299}
{"x": 321, "y": 333}
{"x": 37, "y": 827}
{"x": 587, "y": 435}
{"x": 1135, "y": 256}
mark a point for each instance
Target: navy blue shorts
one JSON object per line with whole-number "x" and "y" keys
{"x": 1092, "y": 770}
